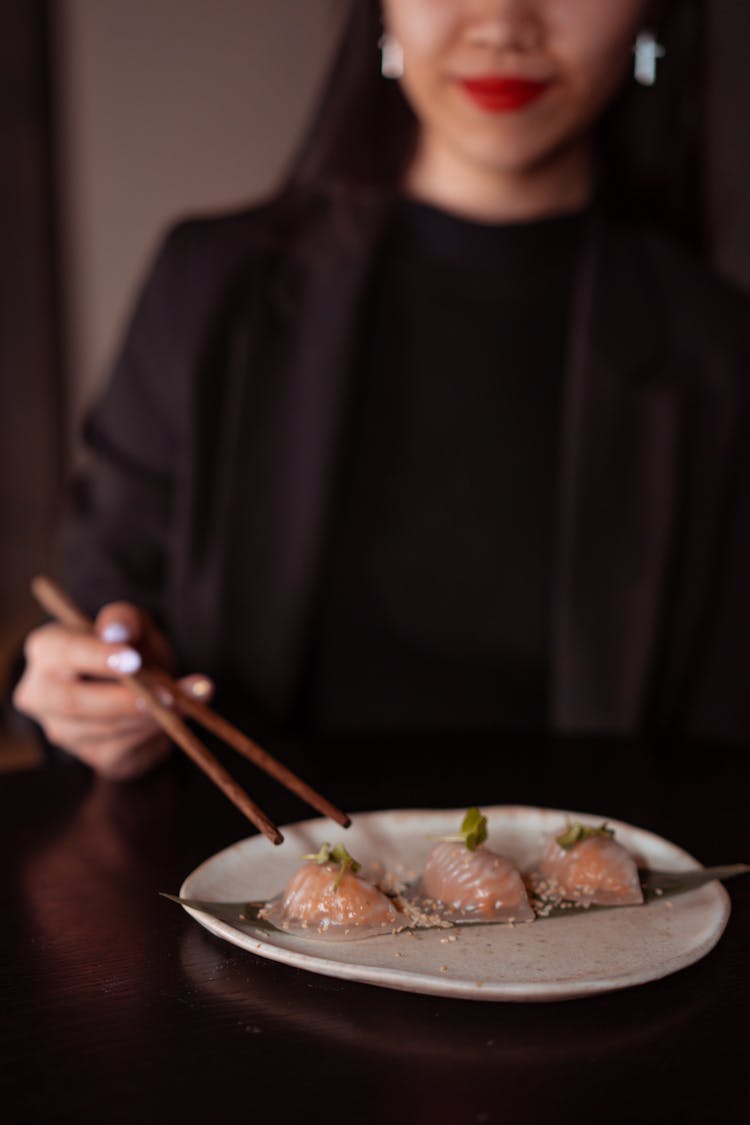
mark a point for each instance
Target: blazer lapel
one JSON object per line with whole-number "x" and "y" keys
{"x": 291, "y": 423}
{"x": 619, "y": 483}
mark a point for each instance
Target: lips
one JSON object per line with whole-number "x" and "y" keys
{"x": 503, "y": 95}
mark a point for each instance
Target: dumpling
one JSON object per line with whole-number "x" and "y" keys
{"x": 476, "y": 884}
{"x": 588, "y": 866}
{"x": 313, "y": 898}
{"x": 326, "y": 898}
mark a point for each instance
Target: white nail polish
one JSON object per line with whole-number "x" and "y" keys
{"x": 125, "y": 662}
{"x": 115, "y": 633}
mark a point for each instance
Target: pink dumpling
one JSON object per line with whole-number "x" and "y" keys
{"x": 313, "y": 899}
{"x": 596, "y": 870}
{"x": 479, "y": 884}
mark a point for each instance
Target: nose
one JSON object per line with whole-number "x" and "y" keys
{"x": 505, "y": 25}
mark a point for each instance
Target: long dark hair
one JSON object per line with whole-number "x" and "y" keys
{"x": 650, "y": 140}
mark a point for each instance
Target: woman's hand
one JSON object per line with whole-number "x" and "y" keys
{"x": 69, "y": 688}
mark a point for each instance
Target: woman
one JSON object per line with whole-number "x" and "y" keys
{"x": 446, "y": 436}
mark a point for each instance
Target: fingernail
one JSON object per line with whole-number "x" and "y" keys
{"x": 115, "y": 633}
{"x": 201, "y": 688}
{"x": 164, "y": 696}
{"x": 125, "y": 662}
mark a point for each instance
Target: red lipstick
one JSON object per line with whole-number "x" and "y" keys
{"x": 503, "y": 95}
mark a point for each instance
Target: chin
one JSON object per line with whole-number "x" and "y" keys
{"x": 515, "y": 161}
{"x": 518, "y": 151}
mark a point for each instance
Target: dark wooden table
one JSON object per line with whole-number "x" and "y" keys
{"x": 117, "y": 1007}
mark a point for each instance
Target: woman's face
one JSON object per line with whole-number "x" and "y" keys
{"x": 507, "y": 84}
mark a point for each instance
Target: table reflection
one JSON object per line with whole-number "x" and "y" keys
{"x": 420, "y": 1029}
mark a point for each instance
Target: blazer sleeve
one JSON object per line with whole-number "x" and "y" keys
{"x": 718, "y": 692}
{"x": 115, "y": 540}
{"x": 719, "y": 705}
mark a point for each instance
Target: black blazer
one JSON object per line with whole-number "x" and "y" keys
{"x": 216, "y": 446}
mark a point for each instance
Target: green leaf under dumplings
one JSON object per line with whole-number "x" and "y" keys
{"x": 665, "y": 884}
{"x": 656, "y": 885}
{"x": 235, "y": 913}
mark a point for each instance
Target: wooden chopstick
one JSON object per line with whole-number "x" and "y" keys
{"x": 57, "y": 603}
{"x": 48, "y": 592}
{"x": 240, "y": 742}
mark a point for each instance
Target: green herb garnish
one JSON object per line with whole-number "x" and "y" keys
{"x": 337, "y": 854}
{"x": 577, "y": 832}
{"x": 473, "y": 830}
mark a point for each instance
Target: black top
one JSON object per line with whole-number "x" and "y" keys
{"x": 435, "y": 606}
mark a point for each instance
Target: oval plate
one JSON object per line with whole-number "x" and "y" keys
{"x": 580, "y": 954}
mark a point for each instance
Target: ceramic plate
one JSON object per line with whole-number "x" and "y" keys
{"x": 578, "y": 954}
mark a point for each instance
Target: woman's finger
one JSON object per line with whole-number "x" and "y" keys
{"x": 81, "y": 732}
{"x": 70, "y": 653}
{"x": 121, "y": 623}
{"x": 82, "y": 699}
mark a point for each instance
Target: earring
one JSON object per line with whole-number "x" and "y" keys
{"x": 647, "y": 50}
{"x": 391, "y": 57}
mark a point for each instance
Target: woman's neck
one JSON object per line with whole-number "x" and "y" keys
{"x": 447, "y": 180}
